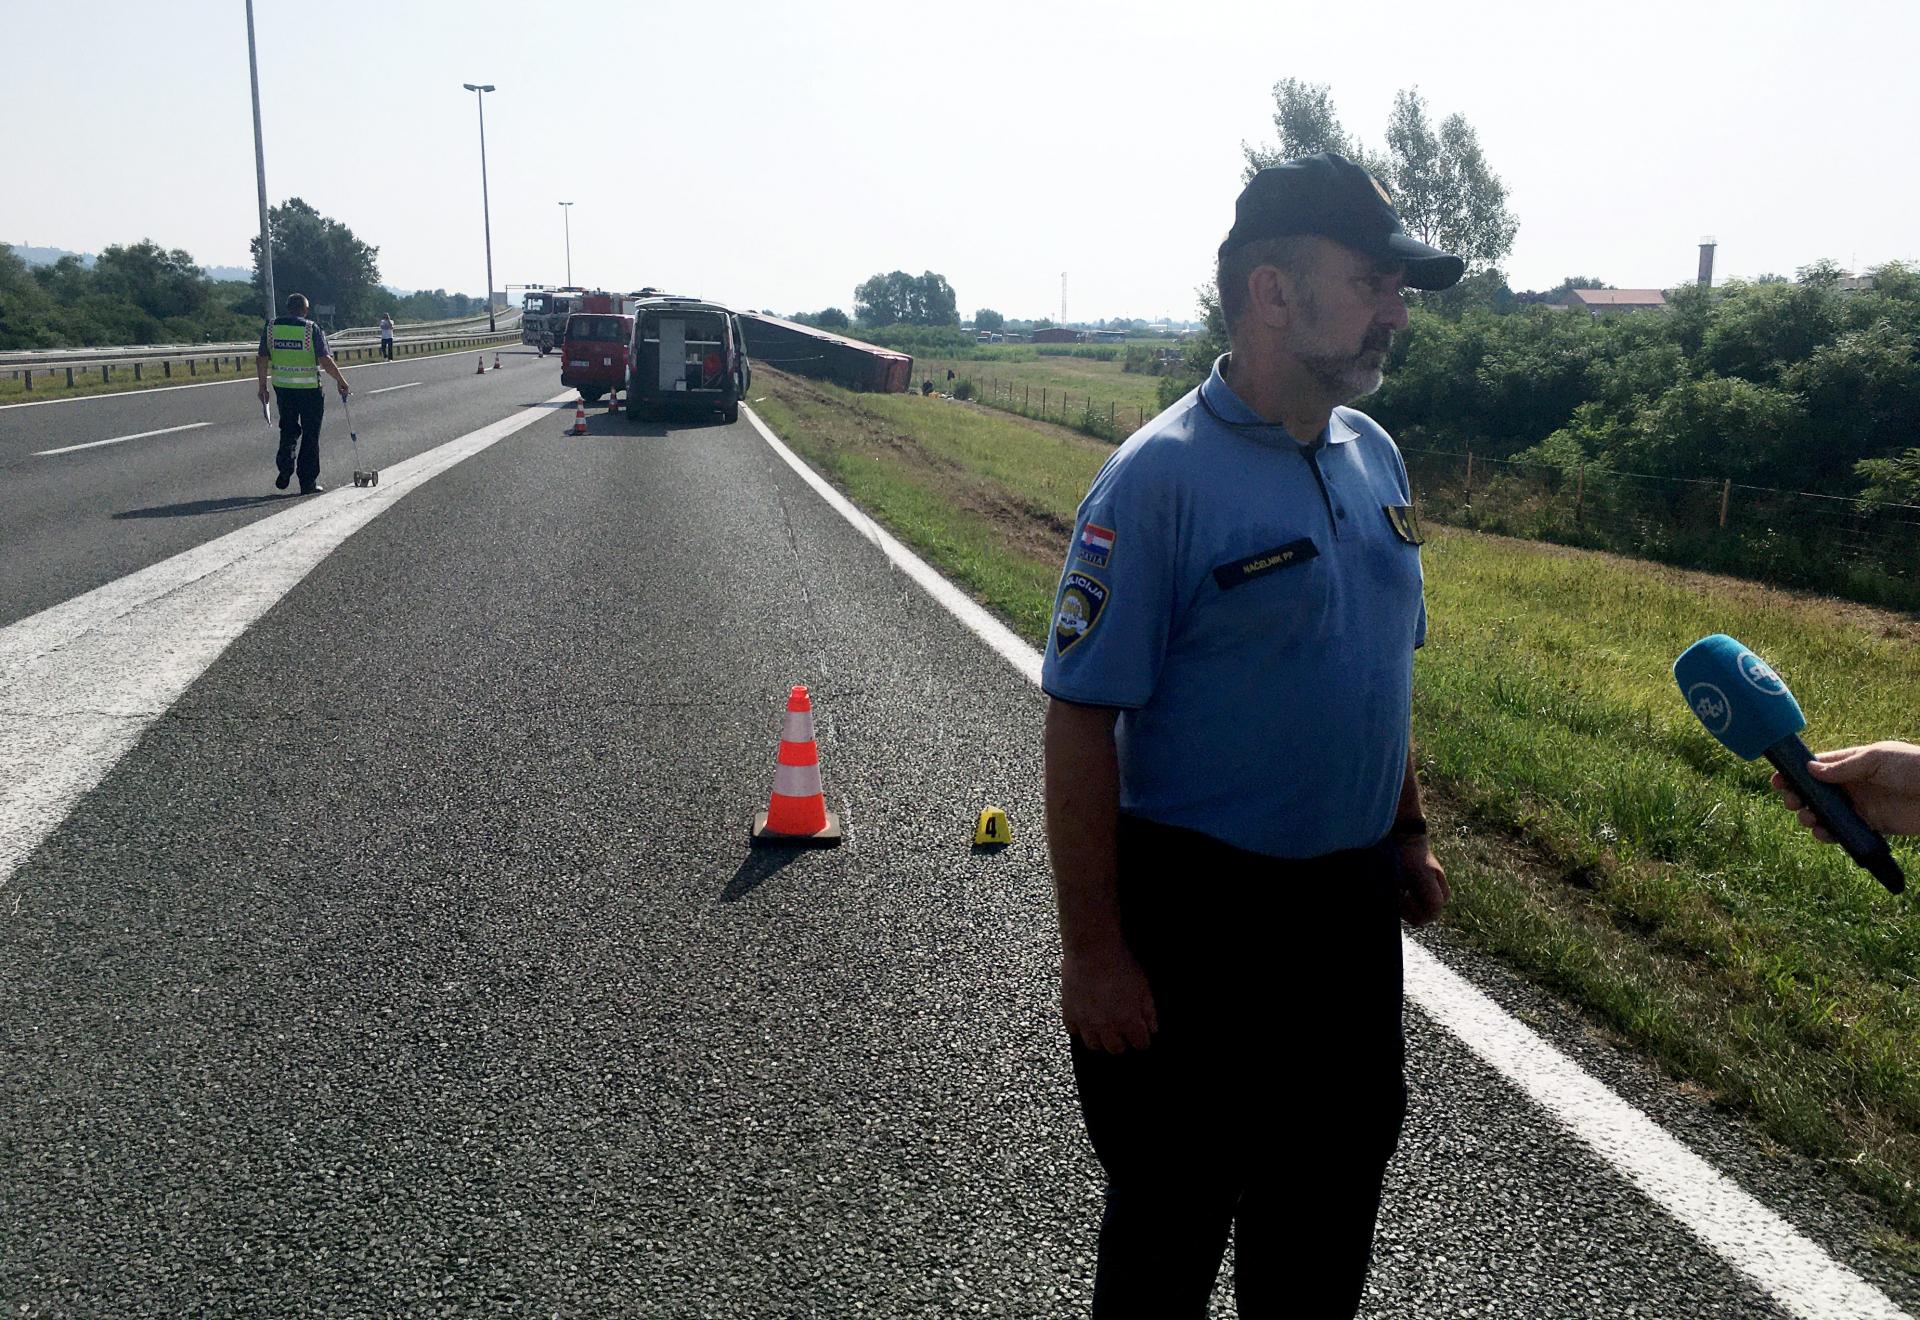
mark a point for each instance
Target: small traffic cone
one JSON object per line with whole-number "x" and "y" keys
{"x": 579, "y": 417}
{"x": 798, "y": 811}
{"x": 496, "y": 361}
{"x": 613, "y": 405}
{"x": 481, "y": 370}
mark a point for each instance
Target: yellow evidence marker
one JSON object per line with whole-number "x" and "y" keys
{"x": 992, "y": 827}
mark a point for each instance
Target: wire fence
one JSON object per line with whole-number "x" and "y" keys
{"x": 1104, "y": 419}
{"x": 1861, "y": 549}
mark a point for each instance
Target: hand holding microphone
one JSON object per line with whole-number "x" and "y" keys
{"x": 1747, "y": 707}
{"x": 1883, "y": 780}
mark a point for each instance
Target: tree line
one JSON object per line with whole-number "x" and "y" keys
{"x": 1800, "y": 385}
{"x": 1805, "y": 385}
{"x": 141, "y": 293}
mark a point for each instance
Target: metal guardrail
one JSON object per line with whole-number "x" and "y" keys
{"x": 229, "y": 362}
{"x": 413, "y": 331}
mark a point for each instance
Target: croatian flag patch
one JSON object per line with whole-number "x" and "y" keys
{"x": 1096, "y": 543}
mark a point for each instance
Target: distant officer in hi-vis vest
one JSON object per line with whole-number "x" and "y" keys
{"x": 295, "y": 349}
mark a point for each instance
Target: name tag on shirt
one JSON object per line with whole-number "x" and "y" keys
{"x": 1267, "y": 561}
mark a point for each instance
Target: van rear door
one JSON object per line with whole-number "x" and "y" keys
{"x": 673, "y": 354}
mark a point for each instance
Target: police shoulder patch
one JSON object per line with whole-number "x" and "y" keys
{"x": 1405, "y": 521}
{"x": 1082, "y": 599}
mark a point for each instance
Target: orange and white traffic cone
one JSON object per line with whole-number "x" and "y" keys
{"x": 798, "y": 812}
{"x": 481, "y": 370}
{"x": 613, "y": 405}
{"x": 496, "y": 361}
{"x": 579, "y": 417}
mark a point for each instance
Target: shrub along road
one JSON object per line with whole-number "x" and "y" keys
{"x": 415, "y": 959}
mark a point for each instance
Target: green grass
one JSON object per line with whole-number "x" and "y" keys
{"x": 51, "y": 383}
{"x": 1078, "y": 378}
{"x": 1598, "y": 839}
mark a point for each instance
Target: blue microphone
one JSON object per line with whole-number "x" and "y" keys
{"x": 1745, "y": 705}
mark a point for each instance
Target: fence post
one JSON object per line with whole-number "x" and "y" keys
{"x": 1726, "y": 491}
{"x": 104, "y": 370}
{"x": 166, "y": 368}
{"x": 1579, "y": 492}
{"x": 136, "y": 371}
{"x": 1111, "y": 419}
{"x": 29, "y": 380}
{"x": 193, "y": 366}
{"x": 1469, "y": 498}
{"x": 1043, "y": 400}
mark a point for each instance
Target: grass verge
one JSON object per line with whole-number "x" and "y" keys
{"x": 1599, "y": 840}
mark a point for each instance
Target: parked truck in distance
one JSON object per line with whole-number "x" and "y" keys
{"x": 544, "y": 313}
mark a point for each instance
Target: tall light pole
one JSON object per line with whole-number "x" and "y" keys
{"x": 566, "y": 220}
{"x": 486, "y": 218}
{"x": 260, "y": 169}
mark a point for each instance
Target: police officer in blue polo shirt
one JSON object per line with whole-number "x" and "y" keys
{"x": 1231, "y": 803}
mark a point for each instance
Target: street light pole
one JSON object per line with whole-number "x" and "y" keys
{"x": 486, "y": 216}
{"x": 260, "y": 170}
{"x": 566, "y": 219}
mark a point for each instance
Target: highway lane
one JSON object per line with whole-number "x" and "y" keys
{"x": 72, "y": 521}
{"x": 416, "y": 960}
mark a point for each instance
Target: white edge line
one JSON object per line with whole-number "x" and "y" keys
{"x": 1788, "y": 1266}
{"x": 388, "y": 389}
{"x": 1002, "y": 639}
{"x": 185, "y": 612}
{"x": 121, "y": 439}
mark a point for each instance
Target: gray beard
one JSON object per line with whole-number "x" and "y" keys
{"x": 1343, "y": 378}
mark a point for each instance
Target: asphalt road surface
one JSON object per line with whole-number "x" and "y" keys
{"x": 415, "y": 963}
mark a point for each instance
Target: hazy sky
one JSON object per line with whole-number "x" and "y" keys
{"x": 776, "y": 154}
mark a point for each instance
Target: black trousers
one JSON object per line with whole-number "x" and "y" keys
{"x": 300, "y": 414}
{"x": 386, "y": 349}
{"x": 1272, "y": 1095}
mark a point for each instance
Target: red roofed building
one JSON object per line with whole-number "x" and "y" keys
{"x": 1598, "y": 302}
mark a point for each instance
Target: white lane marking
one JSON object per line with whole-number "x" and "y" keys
{"x": 388, "y": 389}
{"x": 1746, "y": 1234}
{"x": 82, "y": 680}
{"x": 983, "y": 625}
{"x": 208, "y": 384}
{"x": 1790, "y": 1268}
{"x": 121, "y": 439}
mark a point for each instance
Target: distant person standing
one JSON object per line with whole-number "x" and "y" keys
{"x": 386, "y": 336}
{"x": 295, "y": 349}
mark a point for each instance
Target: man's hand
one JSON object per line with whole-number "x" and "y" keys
{"x": 1106, "y": 1002}
{"x": 263, "y": 391}
{"x": 1423, "y": 883}
{"x": 344, "y": 391}
{"x": 1883, "y": 779}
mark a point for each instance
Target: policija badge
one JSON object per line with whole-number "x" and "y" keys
{"x": 1082, "y": 598}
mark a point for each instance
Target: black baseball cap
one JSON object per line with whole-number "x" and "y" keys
{"x": 1328, "y": 195}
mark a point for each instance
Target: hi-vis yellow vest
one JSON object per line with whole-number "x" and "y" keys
{"x": 295, "y": 367}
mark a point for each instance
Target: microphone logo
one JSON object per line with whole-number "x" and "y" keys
{"x": 1712, "y": 706}
{"x": 1759, "y": 674}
